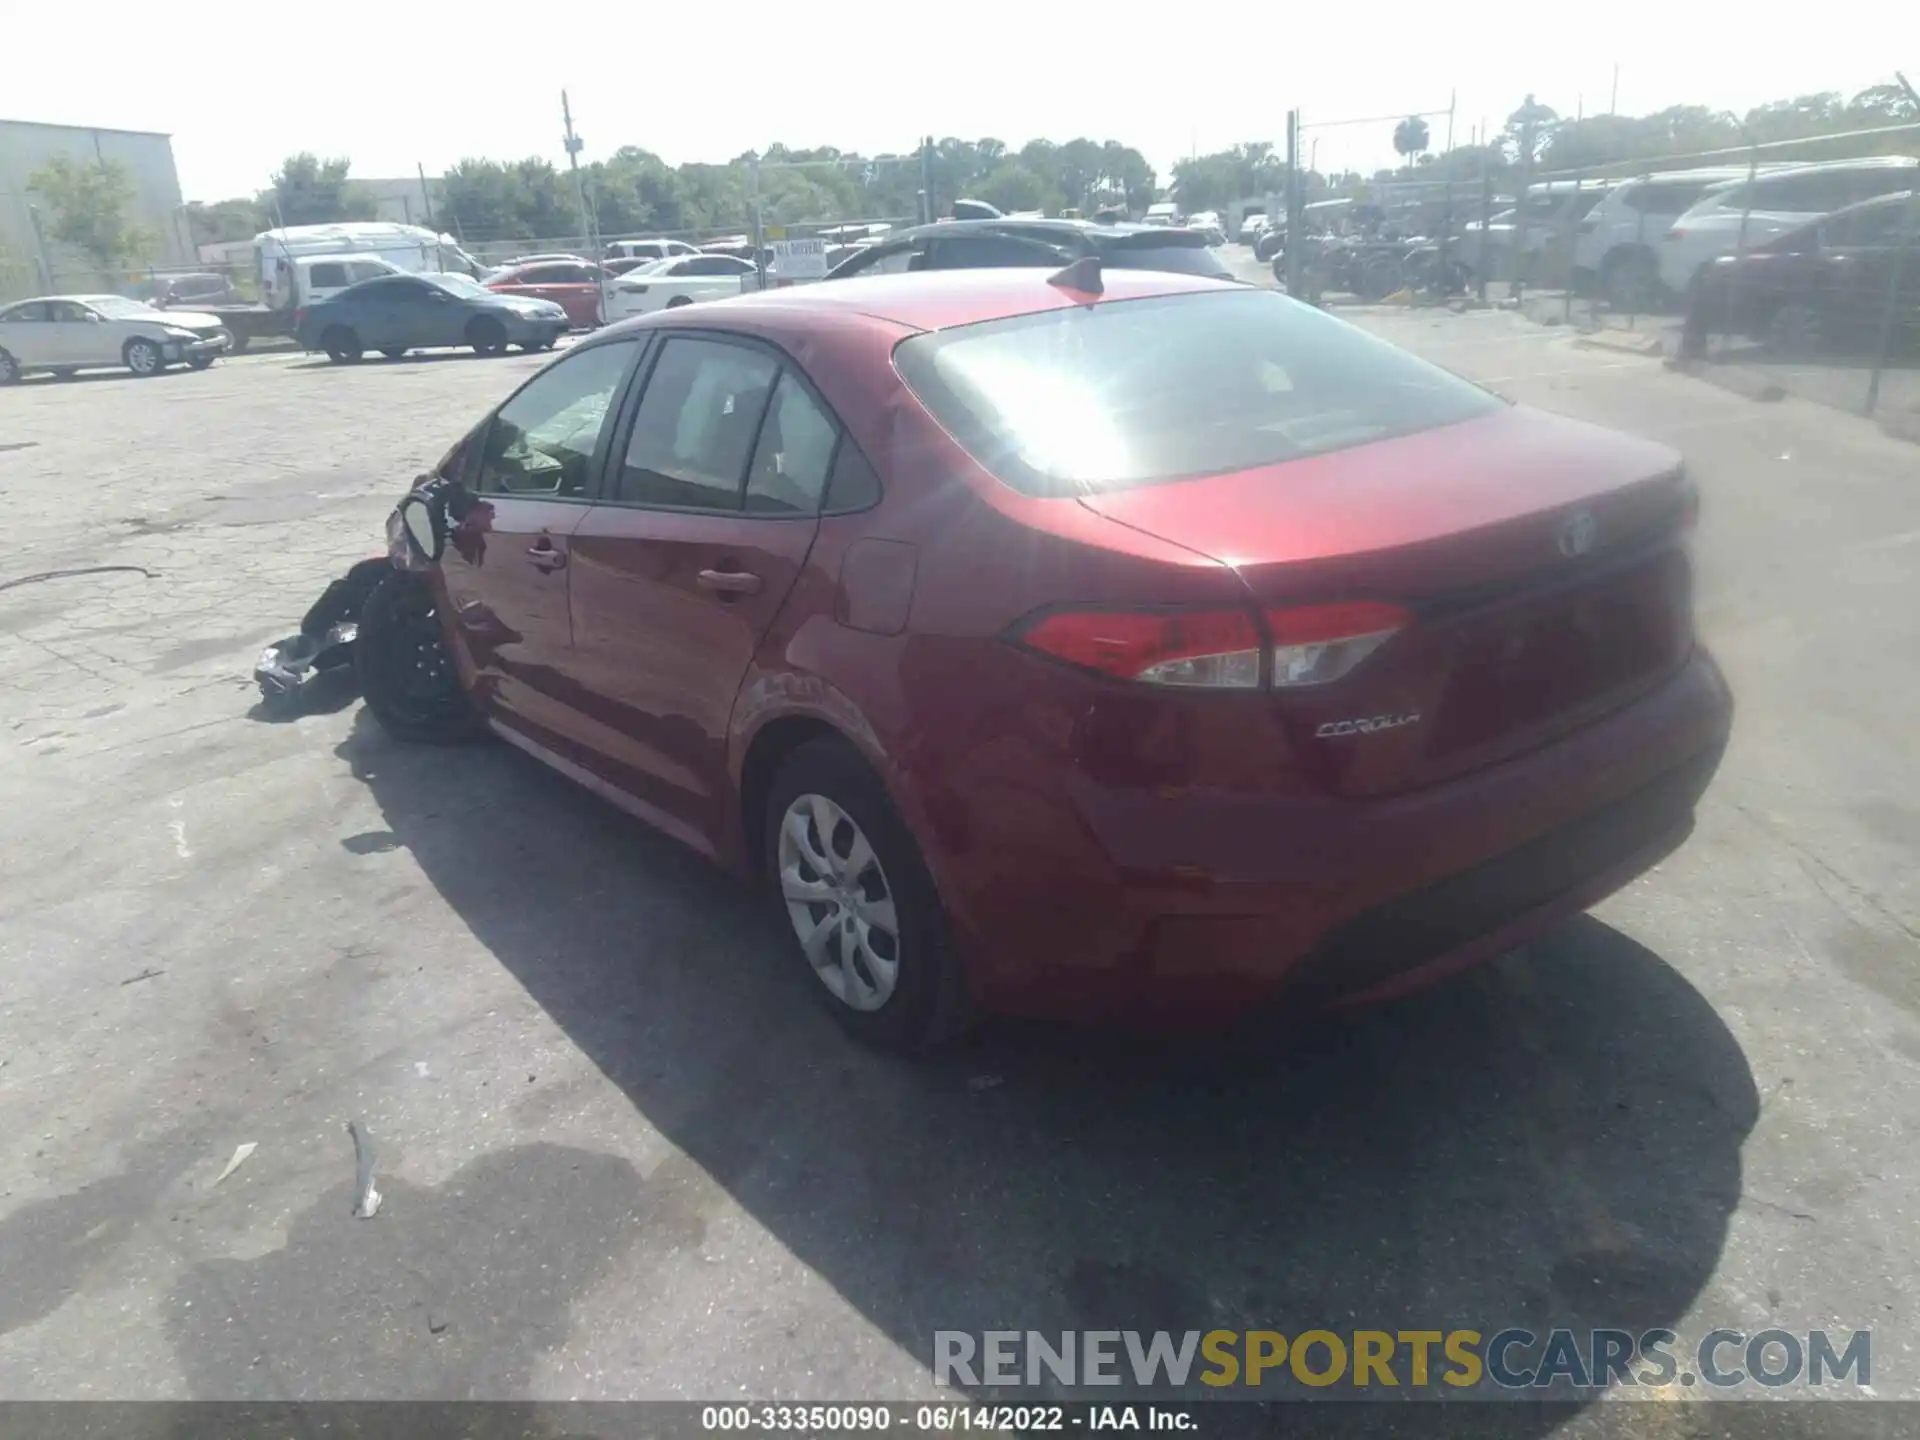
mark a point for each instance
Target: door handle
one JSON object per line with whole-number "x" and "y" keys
{"x": 729, "y": 582}
{"x": 545, "y": 557}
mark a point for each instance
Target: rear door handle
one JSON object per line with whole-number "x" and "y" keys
{"x": 545, "y": 557}
{"x": 729, "y": 582}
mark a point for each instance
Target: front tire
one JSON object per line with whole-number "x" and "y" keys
{"x": 144, "y": 358}
{"x": 849, "y": 879}
{"x": 487, "y": 336}
{"x": 9, "y": 368}
{"x": 407, "y": 674}
{"x": 1796, "y": 331}
{"x": 677, "y": 301}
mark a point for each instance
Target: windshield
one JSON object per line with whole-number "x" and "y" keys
{"x": 1081, "y": 401}
{"x": 459, "y": 284}
{"x": 116, "y": 307}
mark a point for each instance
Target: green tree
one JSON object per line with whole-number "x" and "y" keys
{"x": 225, "y": 220}
{"x": 1410, "y": 137}
{"x": 91, "y": 203}
{"x": 1012, "y": 186}
{"x": 307, "y": 190}
{"x": 1215, "y": 181}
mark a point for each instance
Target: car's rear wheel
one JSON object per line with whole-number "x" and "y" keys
{"x": 342, "y": 345}
{"x": 9, "y": 368}
{"x": 866, "y": 919}
{"x": 677, "y": 301}
{"x": 241, "y": 340}
{"x": 143, "y": 357}
{"x": 487, "y": 335}
{"x": 407, "y": 674}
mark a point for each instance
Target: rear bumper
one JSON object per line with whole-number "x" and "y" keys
{"x": 1205, "y": 907}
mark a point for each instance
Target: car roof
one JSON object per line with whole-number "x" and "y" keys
{"x": 926, "y": 299}
{"x": 1089, "y": 229}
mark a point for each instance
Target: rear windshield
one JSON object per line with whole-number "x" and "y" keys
{"x": 1134, "y": 392}
{"x": 1183, "y": 252}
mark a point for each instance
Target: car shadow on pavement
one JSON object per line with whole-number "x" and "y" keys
{"x": 1553, "y": 1140}
{"x": 375, "y": 360}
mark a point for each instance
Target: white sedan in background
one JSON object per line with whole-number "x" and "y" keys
{"x": 680, "y": 280}
{"x": 65, "y": 333}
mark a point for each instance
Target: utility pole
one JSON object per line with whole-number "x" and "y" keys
{"x": 573, "y": 143}
{"x": 926, "y": 180}
{"x": 427, "y": 195}
{"x": 1295, "y": 240}
{"x": 1902, "y": 258}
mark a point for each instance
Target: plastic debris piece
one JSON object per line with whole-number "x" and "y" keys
{"x": 366, "y": 1199}
{"x": 240, "y": 1154}
{"x": 325, "y": 641}
{"x": 148, "y": 974}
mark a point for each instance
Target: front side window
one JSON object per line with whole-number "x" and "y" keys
{"x": 1134, "y": 392}
{"x": 542, "y": 441}
{"x": 696, "y": 425}
{"x": 66, "y": 312}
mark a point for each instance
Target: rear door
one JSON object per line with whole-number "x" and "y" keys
{"x": 26, "y": 335}
{"x": 710, "y": 510}
{"x": 506, "y": 569}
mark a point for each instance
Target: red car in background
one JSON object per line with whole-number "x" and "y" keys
{"x": 1143, "y": 644}
{"x": 573, "y": 285}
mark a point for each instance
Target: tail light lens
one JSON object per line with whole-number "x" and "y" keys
{"x": 1198, "y": 650}
{"x": 1218, "y": 649}
{"x": 1317, "y": 644}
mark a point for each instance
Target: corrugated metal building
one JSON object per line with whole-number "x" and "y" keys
{"x": 32, "y": 262}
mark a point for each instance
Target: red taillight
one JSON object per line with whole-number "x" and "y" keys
{"x": 1315, "y": 644}
{"x": 1207, "y": 650}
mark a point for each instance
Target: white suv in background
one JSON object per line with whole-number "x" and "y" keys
{"x": 1782, "y": 201}
{"x": 1617, "y": 249}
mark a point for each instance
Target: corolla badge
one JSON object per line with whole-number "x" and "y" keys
{"x": 1366, "y": 725}
{"x": 1579, "y": 534}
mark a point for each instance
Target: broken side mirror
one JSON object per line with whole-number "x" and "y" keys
{"x": 425, "y": 527}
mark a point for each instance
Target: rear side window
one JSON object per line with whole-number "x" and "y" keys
{"x": 1154, "y": 252}
{"x": 1663, "y": 199}
{"x": 1135, "y": 392}
{"x": 329, "y": 276}
{"x": 696, "y": 426}
{"x": 791, "y": 462}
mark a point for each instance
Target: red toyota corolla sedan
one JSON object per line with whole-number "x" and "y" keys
{"x": 1139, "y": 644}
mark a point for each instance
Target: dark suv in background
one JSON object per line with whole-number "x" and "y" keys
{"x": 981, "y": 244}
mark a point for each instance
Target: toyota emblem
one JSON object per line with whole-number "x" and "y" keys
{"x": 1579, "y": 535}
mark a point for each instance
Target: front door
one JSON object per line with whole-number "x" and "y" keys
{"x": 78, "y": 336}
{"x": 710, "y": 511}
{"x": 506, "y": 568}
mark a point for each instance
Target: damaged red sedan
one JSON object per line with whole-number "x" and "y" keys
{"x": 1090, "y": 645}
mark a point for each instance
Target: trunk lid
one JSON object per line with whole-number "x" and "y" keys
{"x": 1542, "y": 561}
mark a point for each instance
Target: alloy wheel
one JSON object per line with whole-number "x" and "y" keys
{"x": 143, "y": 357}
{"x": 839, "y": 902}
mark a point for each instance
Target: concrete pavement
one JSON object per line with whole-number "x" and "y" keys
{"x": 623, "y": 1153}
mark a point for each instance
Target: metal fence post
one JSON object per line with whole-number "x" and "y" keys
{"x": 1639, "y": 255}
{"x": 1295, "y": 218}
{"x": 1520, "y": 205}
{"x": 1569, "y": 231}
{"x": 1486, "y": 219}
{"x": 1896, "y": 284}
{"x": 1739, "y": 250}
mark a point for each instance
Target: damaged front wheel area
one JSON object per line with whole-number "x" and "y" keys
{"x": 407, "y": 674}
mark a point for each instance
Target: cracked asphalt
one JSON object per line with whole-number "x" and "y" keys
{"x": 623, "y": 1155}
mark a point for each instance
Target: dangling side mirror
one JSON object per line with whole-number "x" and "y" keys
{"x": 425, "y": 528}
